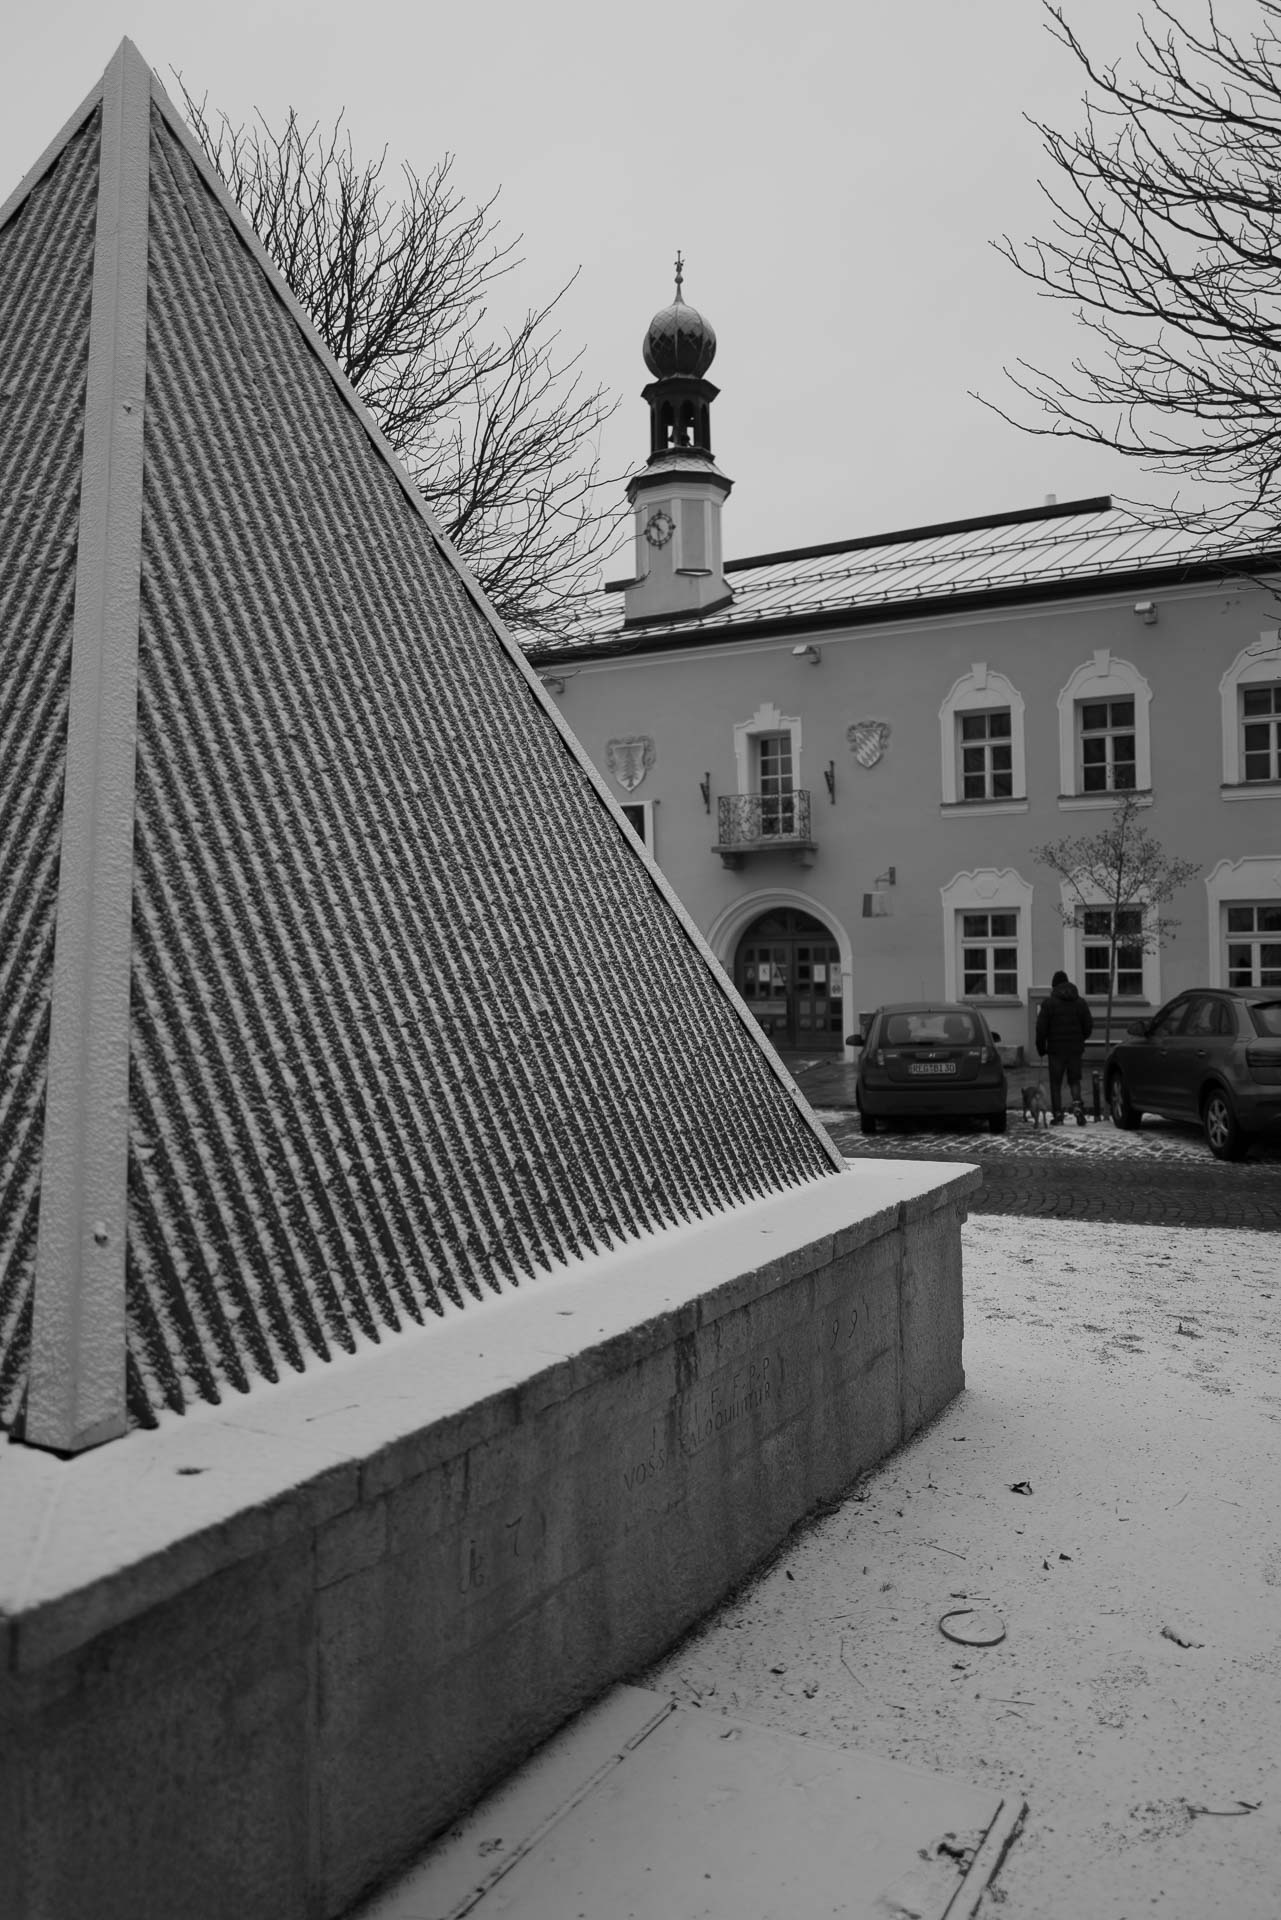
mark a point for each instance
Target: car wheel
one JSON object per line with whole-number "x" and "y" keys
{"x": 1124, "y": 1113}
{"x": 1222, "y": 1128}
{"x": 997, "y": 1121}
{"x": 867, "y": 1122}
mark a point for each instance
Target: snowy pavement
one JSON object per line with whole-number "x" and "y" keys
{"x": 1106, "y": 1489}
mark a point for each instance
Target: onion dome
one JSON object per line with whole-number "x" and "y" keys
{"x": 679, "y": 340}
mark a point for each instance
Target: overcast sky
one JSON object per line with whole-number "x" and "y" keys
{"x": 833, "y": 171}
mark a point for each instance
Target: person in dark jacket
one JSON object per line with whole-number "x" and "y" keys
{"x": 1063, "y": 1025}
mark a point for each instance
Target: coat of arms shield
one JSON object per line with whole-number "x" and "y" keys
{"x": 869, "y": 739}
{"x": 630, "y": 760}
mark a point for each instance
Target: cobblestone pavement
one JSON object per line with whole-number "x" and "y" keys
{"x": 1162, "y": 1175}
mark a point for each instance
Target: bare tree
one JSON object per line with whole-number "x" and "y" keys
{"x": 491, "y": 422}
{"x": 1118, "y": 877}
{"x": 1165, "y": 234}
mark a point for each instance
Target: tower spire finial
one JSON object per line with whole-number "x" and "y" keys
{"x": 680, "y": 273}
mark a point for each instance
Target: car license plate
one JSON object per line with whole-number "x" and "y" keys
{"x": 932, "y": 1066}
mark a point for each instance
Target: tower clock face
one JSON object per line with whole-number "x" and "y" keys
{"x": 659, "y": 528}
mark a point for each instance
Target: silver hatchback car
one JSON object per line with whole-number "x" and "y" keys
{"x": 929, "y": 1060}
{"x": 1212, "y": 1055}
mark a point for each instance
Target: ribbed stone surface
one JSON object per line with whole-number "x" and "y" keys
{"x": 410, "y": 1021}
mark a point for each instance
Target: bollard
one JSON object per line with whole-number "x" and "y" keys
{"x": 1097, "y": 1086}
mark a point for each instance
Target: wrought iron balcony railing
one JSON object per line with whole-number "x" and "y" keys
{"x": 764, "y": 823}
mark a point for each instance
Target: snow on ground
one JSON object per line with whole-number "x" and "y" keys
{"x": 1108, "y": 1485}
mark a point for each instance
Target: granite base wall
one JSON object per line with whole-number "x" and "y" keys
{"x": 277, "y": 1736}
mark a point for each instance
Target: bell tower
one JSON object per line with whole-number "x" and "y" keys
{"x": 678, "y": 494}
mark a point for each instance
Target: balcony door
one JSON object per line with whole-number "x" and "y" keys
{"x": 775, "y": 783}
{"x": 788, "y": 969}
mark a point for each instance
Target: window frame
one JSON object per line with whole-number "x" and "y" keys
{"x": 1112, "y": 731}
{"x": 645, "y": 832}
{"x": 990, "y": 944}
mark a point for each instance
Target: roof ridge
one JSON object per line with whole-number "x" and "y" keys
{"x": 1095, "y": 503}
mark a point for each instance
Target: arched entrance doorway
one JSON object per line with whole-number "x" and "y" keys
{"x": 787, "y": 966}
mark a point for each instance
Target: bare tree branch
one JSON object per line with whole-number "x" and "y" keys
{"x": 493, "y": 423}
{"x": 1125, "y": 871}
{"x": 1164, "y": 233}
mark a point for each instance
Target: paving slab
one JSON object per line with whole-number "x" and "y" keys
{"x": 649, "y": 1809}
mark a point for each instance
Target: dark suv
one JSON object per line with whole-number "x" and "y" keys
{"x": 1212, "y": 1055}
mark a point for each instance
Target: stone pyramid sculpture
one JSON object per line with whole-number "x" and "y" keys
{"x": 335, "y": 995}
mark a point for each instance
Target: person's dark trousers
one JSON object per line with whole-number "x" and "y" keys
{"x": 1061, "y": 1064}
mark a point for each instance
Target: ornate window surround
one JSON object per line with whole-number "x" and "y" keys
{"x": 1255, "y": 876}
{"x": 1074, "y": 951}
{"x": 986, "y": 890}
{"x": 1260, "y": 662}
{"x": 766, "y": 719}
{"x": 1103, "y": 678}
{"x": 982, "y": 690}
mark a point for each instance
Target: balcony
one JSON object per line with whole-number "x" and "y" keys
{"x": 751, "y": 823}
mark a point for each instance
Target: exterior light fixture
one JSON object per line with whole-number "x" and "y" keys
{"x": 809, "y": 652}
{"x": 552, "y": 682}
{"x": 705, "y": 788}
{"x": 829, "y": 774}
{"x": 1146, "y": 610}
{"x": 889, "y": 878}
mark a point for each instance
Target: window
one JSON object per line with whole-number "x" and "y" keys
{"x": 1254, "y": 945}
{"x": 1250, "y": 704}
{"x": 1105, "y": 737}
{"x": 1107, "y": 746}
{"x": 1209, "y": 1019}
{"x": 931, "y": 1029}
{"x": 989, "y": 956}
{"x": 639, "y": 815}
{"x": 1243, "y": 921}
{"x": 981, "y": 737}
{"x": 1261, "y": 733}
{"x": 1170, "y": 1021}
{"x": 1096, "y": 929}
{"x": 987, "y": 756}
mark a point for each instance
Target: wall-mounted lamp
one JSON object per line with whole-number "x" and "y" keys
{"x": 552, "y": 682}
{"x": 1146, "y": 610}
{"x": 876, "y": 906}
{"x": 811, "y": 653}
{"x": 829, "y": 774}
{"x": 705, "y": 788}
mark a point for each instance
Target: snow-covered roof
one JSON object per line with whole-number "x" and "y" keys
{"x": 335, "y": 994}
{"x": 1076, "y": 545}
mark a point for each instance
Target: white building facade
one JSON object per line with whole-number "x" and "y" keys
{"x": 843, "y": 757}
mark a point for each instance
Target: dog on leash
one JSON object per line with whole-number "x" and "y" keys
{"x": 1036, "y": 1107}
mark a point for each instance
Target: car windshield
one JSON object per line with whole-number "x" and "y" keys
{"x": 1267, "y": 1018}
{"x": 931, "y": 1028}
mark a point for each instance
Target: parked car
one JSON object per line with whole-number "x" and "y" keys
{"x": 929, "y": 1060}
{"x": 1211, "y": 1055}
